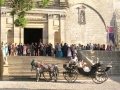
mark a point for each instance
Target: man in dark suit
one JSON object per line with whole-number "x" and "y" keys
{"x": 36, "y": 49}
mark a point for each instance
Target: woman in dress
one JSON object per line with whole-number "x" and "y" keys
{"x": 15, "y": 50}
{"x": 24, "y": 50}
{"x": 12, "y": 49}
{"x": 6, "y": 49}
{"x": 69, "y": 53}
{"x": 44, "y": 50}
{"x": 108, "y": 48}
{"x": 59, "y": 51}
{"x": 28, "y": 50}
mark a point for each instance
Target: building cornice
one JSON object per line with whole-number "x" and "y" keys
{"x": 38, "y": 10}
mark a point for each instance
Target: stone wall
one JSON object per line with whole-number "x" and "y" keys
{"x": 98, "y": 15}
{"x": 106, "y": 57}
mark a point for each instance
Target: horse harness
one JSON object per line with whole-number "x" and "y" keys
{"x": 48, "y": 67}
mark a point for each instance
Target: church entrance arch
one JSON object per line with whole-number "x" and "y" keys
{"x": 33, "y": 35}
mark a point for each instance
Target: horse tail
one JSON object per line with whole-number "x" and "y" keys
{"x": 56, "y": 69}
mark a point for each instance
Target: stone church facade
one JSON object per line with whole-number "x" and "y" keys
{"x": 70, "y": 21}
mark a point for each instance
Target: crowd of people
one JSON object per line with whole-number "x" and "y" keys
{"x": 60, "y": 50}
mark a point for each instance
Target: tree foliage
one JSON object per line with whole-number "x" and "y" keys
{"x": 1, "y": 2}
{"x": 44, "y": 3}
{"x": 20, "y": 21}
{"x": 20, "y": 7}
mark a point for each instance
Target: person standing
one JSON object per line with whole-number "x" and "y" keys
{"x": 56, "y": 50}
{"x": 59, "y": 51}
{"x": 65, "y": 50}
{"x": 46, "y": 46}
{"x": 6, "y": 49}
{"x": 24, "y": 50}
{"x": 28, "y": 50}
{"x": 21, "y": 49}
{"x": 44, "y": 50}
{"x": 9, "y": 48}
{"x": 15, "y": 50}
{"x": 69, "y": 53}
{"x": 49, "y": 50}
{"x": 32, "y": 49}
{"x": 36, "y": 49}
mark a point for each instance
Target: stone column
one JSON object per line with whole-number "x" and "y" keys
{"x": 62, "y": 28}
{"x": 45, "y": 33}
{"x": 3, "y": 27}
{"x": 16, "y": 33}
{"x": 50, "y": 29}
{"x": 22, "y": 35}
{"x": 5, "y": 74}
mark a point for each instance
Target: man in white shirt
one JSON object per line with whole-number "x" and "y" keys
{"x": 85, "y": 68}
{"x": 80, "y": 64}
{"x": 74, "y": 59}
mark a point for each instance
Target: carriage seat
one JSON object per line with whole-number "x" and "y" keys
{"x": 81, "y": 71}
{"x": 69, "y": 67}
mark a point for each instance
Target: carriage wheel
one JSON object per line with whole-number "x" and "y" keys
{"x": 47, "y": 76}
{"x": 71, "y": 75}
{"x": 100, "y": 77}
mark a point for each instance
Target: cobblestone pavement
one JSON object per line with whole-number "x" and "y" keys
{"x": 113, "y": 83}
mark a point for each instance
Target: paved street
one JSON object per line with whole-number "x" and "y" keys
{"x": 112, "y": 84}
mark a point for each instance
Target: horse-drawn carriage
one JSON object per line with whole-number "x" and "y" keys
{"x": 97, "y": 73}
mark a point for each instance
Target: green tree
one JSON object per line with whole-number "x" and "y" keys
{"x": 20, "y": 7}
{"x": 1, "y": 2}
{"x": 43, "y": 4}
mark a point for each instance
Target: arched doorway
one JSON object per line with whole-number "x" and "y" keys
{"x": 33, "y": 35}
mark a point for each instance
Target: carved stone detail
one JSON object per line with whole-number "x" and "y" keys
{"x": 81, "y": 15}
{"x": 34, "y": 14}
{"x": 3, "y": 14}
{"x": 39, "y": 17}
{"x": 63, "y": 16}
{"x": 50, "y": 16}
{"x": 36, "y": 19}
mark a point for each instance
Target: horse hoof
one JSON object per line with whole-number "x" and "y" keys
{"x": 37, "y": 80}
{"x": 55, "y": 80}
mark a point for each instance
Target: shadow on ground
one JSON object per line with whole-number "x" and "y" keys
{"x": 115, "y": 78}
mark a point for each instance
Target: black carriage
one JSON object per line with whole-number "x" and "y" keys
{"x": 97, "y": 73}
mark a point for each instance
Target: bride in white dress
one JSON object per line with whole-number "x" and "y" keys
{"x": 69, "y": 53}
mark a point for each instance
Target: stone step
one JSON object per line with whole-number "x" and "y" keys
{"x": 80, "y": 77}
{"x": 26, "y": 73}
{"x": 20, "y": 66}
{"x": 29, "y": 76}
{"x": 28, "y": 70}
{"x": 33, "y": 75}
{"x": 12, "y": 60}
{"x": 36, "y": 58}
